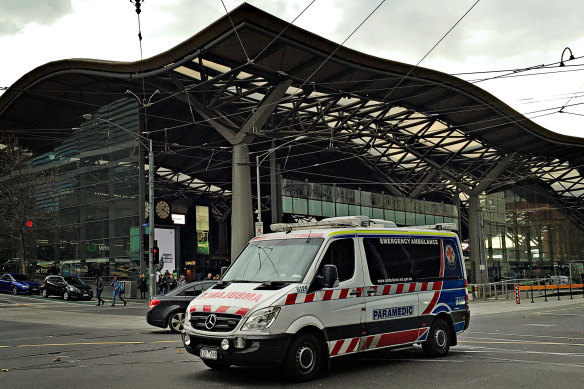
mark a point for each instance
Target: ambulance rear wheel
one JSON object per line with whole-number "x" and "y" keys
{"x": 304, "y": 359}
{"x": 439, "y": 339}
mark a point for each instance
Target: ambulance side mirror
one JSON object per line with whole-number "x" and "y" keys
{"x": 330, "y": 276}
{"x": 223, "y": 270}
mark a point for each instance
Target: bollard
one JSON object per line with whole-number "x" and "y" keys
{"x": 558, "y": 286}
{"x": 545, "y": 291}
{"x": 532, "y": 293}
{"x": 571, "y": 297}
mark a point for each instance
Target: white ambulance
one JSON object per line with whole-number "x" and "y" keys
{"x": 314, "y": 291}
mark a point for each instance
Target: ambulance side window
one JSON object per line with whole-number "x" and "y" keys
{"x": 402, "y": 260}
{"x": 340, "y": 253}
{"x": 387, "y": 262}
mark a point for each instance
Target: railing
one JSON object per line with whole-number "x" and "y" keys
{"x": 528, "y": 288}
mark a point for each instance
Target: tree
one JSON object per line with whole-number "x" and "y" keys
{"x": 19, "y": 183}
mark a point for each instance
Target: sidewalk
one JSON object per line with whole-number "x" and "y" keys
{"x": 502, "y": 305}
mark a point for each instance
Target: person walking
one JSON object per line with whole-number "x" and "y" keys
{"x": 142, "y": 285}
{"x": 162, "y": 284}
{"x": 117, "y": 284}
{"x": 54, "y": 269}
{"x": 99, "y": 290}
{"x": 181, "y": 281}
{"x": 171, "y": 282}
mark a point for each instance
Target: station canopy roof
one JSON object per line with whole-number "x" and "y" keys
{"x": 366, "y": 122}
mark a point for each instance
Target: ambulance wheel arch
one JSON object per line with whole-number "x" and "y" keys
{"x": 306, "y": 355}
{"x": 305, "y": 322}
{"x": 441, "y": 336}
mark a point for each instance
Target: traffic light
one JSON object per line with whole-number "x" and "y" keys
{"x": 155, "y": 255}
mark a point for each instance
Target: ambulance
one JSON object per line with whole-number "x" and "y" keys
{"x": 311, "y": 292}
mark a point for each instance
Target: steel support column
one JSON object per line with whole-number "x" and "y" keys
{"x": 477, "y": 252}
{"x": 241, "y": 215}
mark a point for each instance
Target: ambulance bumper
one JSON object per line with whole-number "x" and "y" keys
{"x": 268, "y": 351}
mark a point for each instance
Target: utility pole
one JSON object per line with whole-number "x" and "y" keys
{"x": 152, "y": 290}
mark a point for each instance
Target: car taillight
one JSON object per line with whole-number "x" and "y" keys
{"x": 153, "y": 303}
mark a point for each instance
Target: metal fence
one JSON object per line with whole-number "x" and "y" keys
{"x": 528, "y": 289}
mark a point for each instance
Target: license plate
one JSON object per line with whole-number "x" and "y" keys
{"x": 208, "y": 354}
{"x": 85, "y": 294}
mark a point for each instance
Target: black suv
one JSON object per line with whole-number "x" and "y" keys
{"x": 169, "y": 309}
{"x": 67, "y": 287}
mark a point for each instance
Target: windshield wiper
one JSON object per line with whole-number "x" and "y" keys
{"x": 242, "y": 281}
{"x": 275, "y": 283}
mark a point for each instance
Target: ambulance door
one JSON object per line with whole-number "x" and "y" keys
{"x": 390, "y": 292}
{"x": 339, "y": 308}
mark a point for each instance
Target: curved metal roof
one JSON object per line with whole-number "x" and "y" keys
{"x": 251, "y": 77}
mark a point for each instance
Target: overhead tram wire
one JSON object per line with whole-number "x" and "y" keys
{"x": 235, "y": 31}
{"x": 337, "y": 48}
{"x": 432, "y": 49}
{"x": 243, "y": 48}
{"x": 281, "y": 32}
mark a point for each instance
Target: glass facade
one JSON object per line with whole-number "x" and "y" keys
{"x": 303, "y": 198}
{"x": 528, "y": 239}
{"x": 87, "y": 201}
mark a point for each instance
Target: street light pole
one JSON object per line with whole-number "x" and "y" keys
{"x": 152, "y": 288}
{"x": 259, "y": 226}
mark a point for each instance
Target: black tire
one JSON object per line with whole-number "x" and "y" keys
{"x": 216, "y": 365}
{"x": 66, "y": 296}
{"x": 304, "y": 359}
{"x": 15, "y": 290}
{"x": 45, "y": 293}
{"x": 176, "y": 321}
{"x": 439, "y": 339}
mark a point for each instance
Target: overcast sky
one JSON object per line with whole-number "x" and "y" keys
{"x": 494, "y": 35}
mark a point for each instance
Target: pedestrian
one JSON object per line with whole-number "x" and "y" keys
{"x": 181, "y": 281}
{"x": 142, "y": 285}
{"x": 209, "y": 277}
{"x": 118, "y": 290}
{"x": 163, "y": 284}
{"x": 217, "y": 277}
{"x": 54, "y": 269}
{"x": 171, "y": 282}
{"x": 99, "y": 290}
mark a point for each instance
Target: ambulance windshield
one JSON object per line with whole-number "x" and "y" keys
{"x": 283, "y": 260}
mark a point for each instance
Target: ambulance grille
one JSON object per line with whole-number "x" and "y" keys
{"x": 225, "y": 322}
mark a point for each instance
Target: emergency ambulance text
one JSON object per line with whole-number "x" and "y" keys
{"x": 408, "y": 241}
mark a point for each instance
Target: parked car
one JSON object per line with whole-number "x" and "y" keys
{"x": 67, "y": 287}
{"x": 18, "y": 283}
{"x": 562, "y": 280}
{"x": 169, "y": 310}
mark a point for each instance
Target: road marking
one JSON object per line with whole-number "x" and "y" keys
{"x": 541, "y": 325}
{"x": 519, "y": 342}
{"x": 519, "y": 335}
{"x": 76, "y": 344}
{"x": 89, "y": 343}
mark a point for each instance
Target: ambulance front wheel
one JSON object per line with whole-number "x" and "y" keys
{"x": 439, "y": 339}
{"x": 304, "y": 359}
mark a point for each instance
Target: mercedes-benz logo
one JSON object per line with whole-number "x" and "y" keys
{"x": 210, "y": 321}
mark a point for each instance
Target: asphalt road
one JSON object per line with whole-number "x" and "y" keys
{"x": 49, "y": 343}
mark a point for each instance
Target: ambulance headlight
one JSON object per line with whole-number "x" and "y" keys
{"x": 261, "y": 319}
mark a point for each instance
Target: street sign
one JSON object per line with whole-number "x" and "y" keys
{"x": 259, "y": 228}
{"x": 517, "y": 294}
